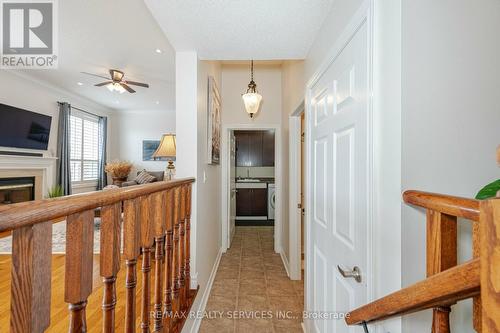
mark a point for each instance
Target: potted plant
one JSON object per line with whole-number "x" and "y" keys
{"x": 489, "y": 191}
{"x": 119, "y": 171}
{"x": 55, "y": 191}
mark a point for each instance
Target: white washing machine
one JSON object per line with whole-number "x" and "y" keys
{"x": 271, "y": 201}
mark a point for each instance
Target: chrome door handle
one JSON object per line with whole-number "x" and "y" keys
{"x": 355, "y": 273}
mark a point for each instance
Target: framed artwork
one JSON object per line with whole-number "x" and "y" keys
{"x": 148, "y": 149}
{"x": 213, "y": 122}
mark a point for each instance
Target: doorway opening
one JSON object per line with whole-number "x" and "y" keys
{"x": 253, "y": 177}
{"x": 251, "y": 181}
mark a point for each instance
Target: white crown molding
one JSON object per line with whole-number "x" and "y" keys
{"x": 78, "y": 99}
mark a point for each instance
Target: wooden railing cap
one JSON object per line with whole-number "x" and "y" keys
{"x": 18, "y": 215}
{"x": 451, "y": 205}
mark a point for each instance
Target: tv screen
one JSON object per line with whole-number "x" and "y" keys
{"x": 23, "y": 129}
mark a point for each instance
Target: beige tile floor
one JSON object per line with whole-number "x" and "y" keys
{"x": 252, "y": 282}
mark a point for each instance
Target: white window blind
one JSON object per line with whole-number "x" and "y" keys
{"x": 84, "y": 147}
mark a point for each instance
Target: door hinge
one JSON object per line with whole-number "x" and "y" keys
{"x": 299, "y": 206}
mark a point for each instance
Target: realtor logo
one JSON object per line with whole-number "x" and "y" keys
{"x": 29, "y": 34}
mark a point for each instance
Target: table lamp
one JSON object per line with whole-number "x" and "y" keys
{"x": 167, "y": 149}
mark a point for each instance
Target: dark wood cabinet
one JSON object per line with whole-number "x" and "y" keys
{"x": 254, "y": 148}
{"x": 251, "y": 202}
{"x": 268, "y": 148}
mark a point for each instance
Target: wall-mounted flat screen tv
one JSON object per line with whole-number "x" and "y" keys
{"x": 23, "y": 129}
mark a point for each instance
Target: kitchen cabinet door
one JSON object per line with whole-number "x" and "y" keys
{"x": 268, "y": 148}
{"x": 244, "y": 202}
{"x": 242, "y": 148}
{"x": 255, "y": 148}
{"x": 259, "y": 202}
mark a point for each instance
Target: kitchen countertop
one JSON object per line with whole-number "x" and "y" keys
{"x": 257, "y": 180}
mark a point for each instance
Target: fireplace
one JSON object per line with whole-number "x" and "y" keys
{"x": 16, "y": 189}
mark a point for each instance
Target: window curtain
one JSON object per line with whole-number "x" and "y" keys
{"x": 102, "y": 179}
{"x": 63, "y": 176}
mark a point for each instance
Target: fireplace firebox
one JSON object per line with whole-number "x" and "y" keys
{"x": 18, "y": 189}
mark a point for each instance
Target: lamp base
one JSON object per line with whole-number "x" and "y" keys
{"x": 170, "y": 171}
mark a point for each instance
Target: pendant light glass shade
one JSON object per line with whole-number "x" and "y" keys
{"x": 252, "y": 99}
{"x": 252, "y": 102}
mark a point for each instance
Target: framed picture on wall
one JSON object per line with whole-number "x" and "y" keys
{"x": 213, "y": 122}
{"x": 148, "y": 149}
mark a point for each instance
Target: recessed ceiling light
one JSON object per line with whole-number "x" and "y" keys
{"x": 157, "y": 102}
{"x": 80, "y": 84}
{"x": 158, "y": 51}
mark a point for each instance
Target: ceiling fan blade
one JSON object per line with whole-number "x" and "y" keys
{"x": 103, "y": 84}
{"x": 127, "y": 88}
{"x": 102, "y": 77}
{"x": 145, "y": 85}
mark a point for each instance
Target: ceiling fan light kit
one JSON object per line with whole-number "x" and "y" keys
{"x": 252, "y": 99}
{"x": 117, "y": 82}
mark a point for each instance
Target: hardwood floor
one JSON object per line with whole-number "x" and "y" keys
{"x": 59, "y": 309}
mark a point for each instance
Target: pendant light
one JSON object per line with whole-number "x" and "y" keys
{"x": 252, "y": 98}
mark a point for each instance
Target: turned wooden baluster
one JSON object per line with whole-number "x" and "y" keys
{"x": 78, "y": 266}
{"x": 146, "y": 244}
{"x": 182, "y": 248}
{"x": 31, "y": 272}
{"x": 188, "y": 242}
{"x": 441, "y": 255}
{"x": 158, "y": 203}
{"x": 167, "y": 300}
{"x": 110, "y": 262}
{"x": 175, "y": 255}
{"x": 131, "y": 251}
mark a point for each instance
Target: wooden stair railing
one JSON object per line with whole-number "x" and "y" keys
{"x": 156, "y": 219}
{"x": 446, "y": 282}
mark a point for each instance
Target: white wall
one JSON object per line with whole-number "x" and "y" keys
{"x": 131, "y": 127}
{"x": 235, "y": 79}
{"x": 451, "y": 77}
{"x": 293, "y": 93}
{"x": 191, "y": 117}
{"x": 26, "y": 93}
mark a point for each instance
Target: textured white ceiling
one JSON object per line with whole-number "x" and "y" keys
{"x": 241, "y": 29}
{"x": 95, "y": 35}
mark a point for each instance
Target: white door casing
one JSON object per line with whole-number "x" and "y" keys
{"x": 338, "y": 191}
{"x": 232, "y": 187}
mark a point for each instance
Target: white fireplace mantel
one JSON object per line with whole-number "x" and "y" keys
{"x": 45, "y": 164}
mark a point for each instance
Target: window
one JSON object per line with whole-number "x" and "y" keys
{"x": 84, "y": 147}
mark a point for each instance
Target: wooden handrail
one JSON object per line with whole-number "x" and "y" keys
{"x": 451, "y": 205}
{"x": 28, "y": 213}
{"x": 156, "y": 233}
{"x": 446, "y": 282}
{"x": 442, "y": 289}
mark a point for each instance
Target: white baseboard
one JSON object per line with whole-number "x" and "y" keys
{"x": 204, "y": 299}
{"x": 285, "y": 262}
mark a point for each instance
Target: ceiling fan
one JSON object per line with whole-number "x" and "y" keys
{"x": 117, "y": 83}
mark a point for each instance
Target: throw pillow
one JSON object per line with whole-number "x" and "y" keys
{"x": 144, "y": 178}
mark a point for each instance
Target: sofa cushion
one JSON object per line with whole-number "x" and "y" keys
{"x": 144, "y": 178}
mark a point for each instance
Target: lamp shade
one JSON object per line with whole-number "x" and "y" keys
{"x": 167, "y": 146}
{"x": 252, "y": 102}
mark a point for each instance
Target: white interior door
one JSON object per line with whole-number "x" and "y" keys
{"x": 232, "y": 187}
{"x": 337, "y": 220}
